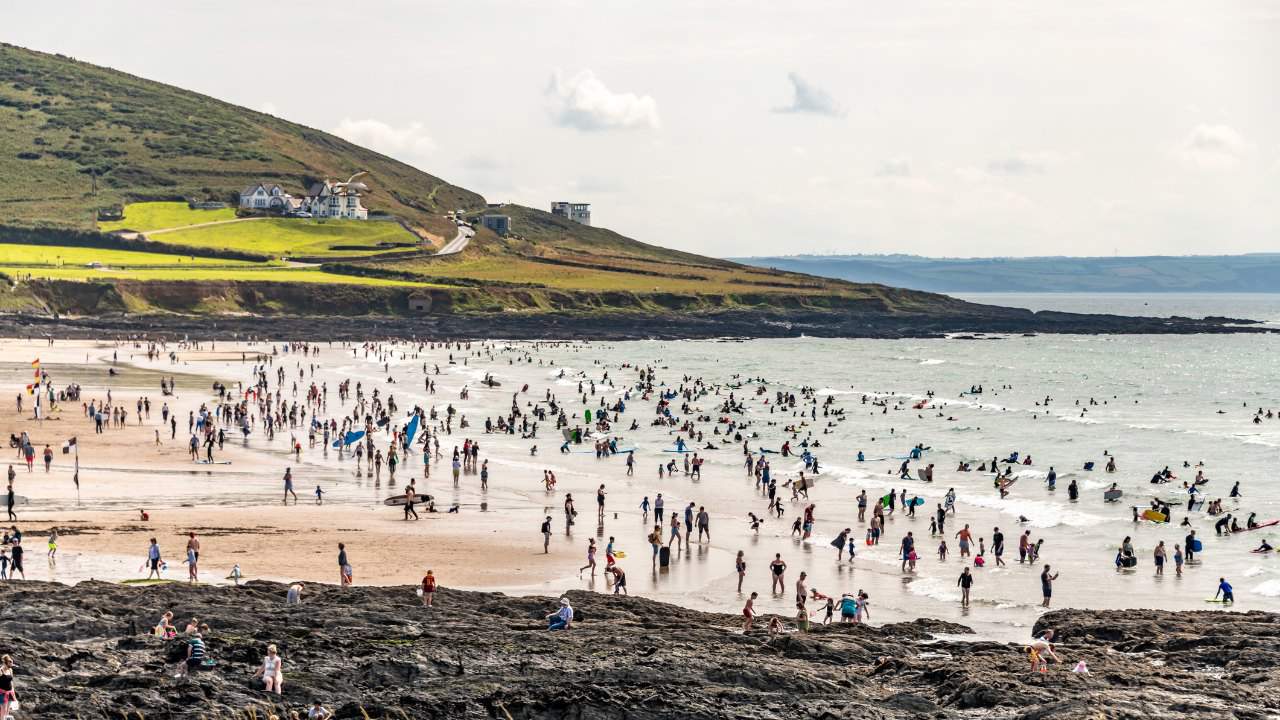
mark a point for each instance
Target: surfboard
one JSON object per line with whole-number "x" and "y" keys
{"x": 1112, "y": 495}
{"x": 1153, "y": 516}
{"x": 620, "y": 553}
{"x": 215, "y": 462}
{"x": 401, "y": 499}
{"x": 1196, "y": 545}
{"x": 1259, "y": 526}
{"x": 1220, "y": 602}
{"x": 1006, "y": 484}
{"x": 916, "y": 501}
{"x": 144, "y": 581}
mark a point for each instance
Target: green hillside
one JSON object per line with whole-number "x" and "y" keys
{"x": 63, "y": 122}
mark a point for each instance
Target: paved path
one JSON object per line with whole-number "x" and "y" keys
{"x": 459, "y": 241}
{"x": 149, "y": 233}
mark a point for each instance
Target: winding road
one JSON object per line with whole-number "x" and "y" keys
{"x": 459, "y": 241}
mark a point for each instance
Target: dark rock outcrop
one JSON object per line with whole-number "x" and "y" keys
{"x": 83, "y": 652}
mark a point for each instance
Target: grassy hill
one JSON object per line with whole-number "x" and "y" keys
{"x": 63, "y": 122}
{"x": 75, "y": 138}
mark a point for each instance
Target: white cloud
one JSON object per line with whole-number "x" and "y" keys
{"x": 1022, "y": 164}
{"x": 809, "y": 98}
{"x": 1214, "y": 147}
{"x": 583, "y": 102}
{"x": 407, "y": 143}
{"x": 896, "y": 168}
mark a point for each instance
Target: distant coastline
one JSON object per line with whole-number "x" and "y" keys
{"x": 1252, "y": 273}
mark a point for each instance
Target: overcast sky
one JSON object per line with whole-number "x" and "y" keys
{"x": 937, "y": 128}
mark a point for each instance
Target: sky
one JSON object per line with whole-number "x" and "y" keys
{"x": 942, "y": 128}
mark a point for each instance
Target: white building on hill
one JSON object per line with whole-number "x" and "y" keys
{"x": 326, "y": 199}
{"x": 265, "y": 196}
{"x": 577, "y": 212}
{"x": 336, "y": 200}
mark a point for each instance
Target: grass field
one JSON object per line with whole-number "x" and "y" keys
{"x": 146, "y": 216}
{"x": 294, "y": 236}
{"x": 300, "y": 275}
{"x": 72, "y": 257}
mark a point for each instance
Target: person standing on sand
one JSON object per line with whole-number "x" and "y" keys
{"x": 153, "y": 560}
{"x": 704, "y": 523}
{"x": 193, "y": 545}
{"x": 10, "y": 498}
{"x": 344, "y": 567}
{"x": 600, "y": 503}
{"x": 546, "y": 535}
{"x": 1046, "y": 585}
{"x": 741, "y": 566}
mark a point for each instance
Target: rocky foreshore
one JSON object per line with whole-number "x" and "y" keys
{"x": 85, "y": 652}
{"x": 972, "y": 320}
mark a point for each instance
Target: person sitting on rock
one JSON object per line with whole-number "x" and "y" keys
{"x": 562, "y": 618}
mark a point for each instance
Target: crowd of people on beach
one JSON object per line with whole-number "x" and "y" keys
{"x": 763, "y": 421}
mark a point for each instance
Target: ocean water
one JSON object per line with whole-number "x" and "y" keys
{"x": 1160, "y": 401}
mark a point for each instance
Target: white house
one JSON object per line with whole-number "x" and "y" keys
{"x": 577, "y": 212}
{"x": 265, "y": 196}
{"x": 336, "y": 200}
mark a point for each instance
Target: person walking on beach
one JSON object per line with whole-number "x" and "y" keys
{"x": 344, "y": 567}
{"x": 740, "y": 565}
{"x": 428, "y": 588}
{"x": 591, "y": 558}
{"x": 965, "y": 582}
{"x": 10, "y": 498}
{"x": 675, "y": 531}
{"x": 546, "y": 535}
{"x": 704, "y": 523}
{"x": 288, "y": 487}
{"x": 997, "y": 546}
{"x": 1046, "y": 585}
{"x": 569, "y": 511}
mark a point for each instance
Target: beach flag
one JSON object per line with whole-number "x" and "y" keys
{"x": 31, "y": 389}
{"x": 35, "y": 363}
{"x": 66, "y": 446}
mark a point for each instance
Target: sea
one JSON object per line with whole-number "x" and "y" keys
{"x": 1183, "y": 402}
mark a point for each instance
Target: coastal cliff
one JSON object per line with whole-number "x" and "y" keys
{"x": 84, "y": 651}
